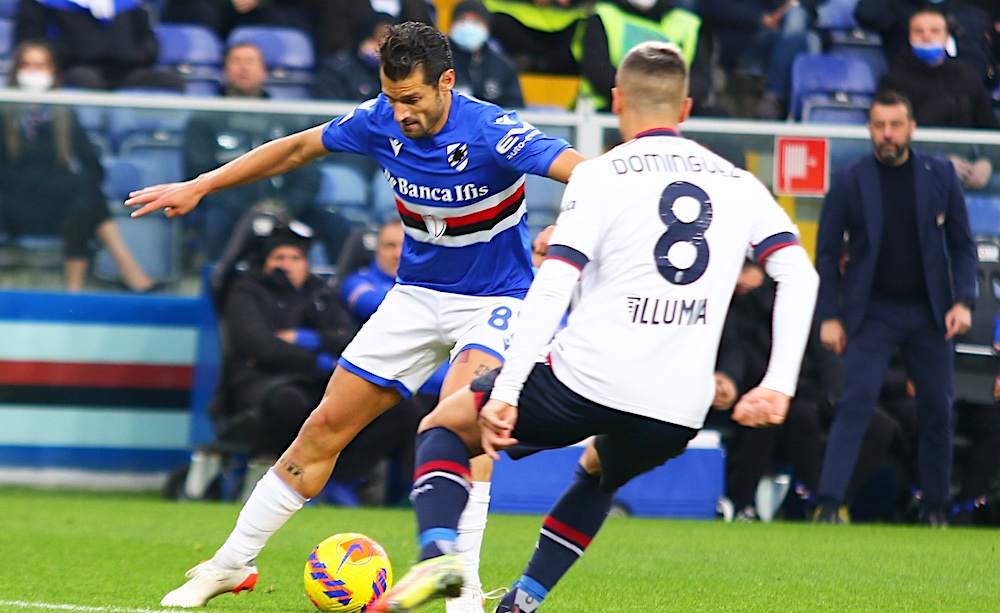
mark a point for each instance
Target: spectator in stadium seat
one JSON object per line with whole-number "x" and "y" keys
{"x": 99, "y": 45}
{"x": 944, "y": 92}
{"x": 761, "y": 36}
{"x": 50, "y": 175}
{"x": 213, "y": 138}
{"x": 971, "y": 25}
{"x": 285, "y": 330}
{"x": 340, "y": 20}
{"x": 224, "y": 15}
{"x": 618, "y": 24}
{"x": 352, "y": 74}
{"x": 538, "y": 34}
{"x": 481, "y": 70}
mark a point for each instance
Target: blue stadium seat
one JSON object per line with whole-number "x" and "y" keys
{"x": 984, "y": 215}
{"x": 383, "y": 198}
{"x": 161, "y": 158}
{"x": 151, "y": 124}
{"x": 288, "y": 53}
{"x": 6, "y": 45}
{"x": 8, "y": 8}
{"x": 195, "y": 53}
{"x": 120, "y": 178}
{"x": 860, "y": 43}
{"x": 825, "y": 77}
{"x": 154, "y": 239}
{"x": 344, "y": 189}
{"x": 839, "y": 108}
{"x": 836, "y": 15}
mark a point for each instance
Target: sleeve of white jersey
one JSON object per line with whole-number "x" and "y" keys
{"x": 776, "y": 246}
{"x": 572, "y": 245}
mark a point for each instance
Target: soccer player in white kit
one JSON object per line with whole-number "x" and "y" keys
{"x": 456, "y": 166}
{"x": 656, "y": 230}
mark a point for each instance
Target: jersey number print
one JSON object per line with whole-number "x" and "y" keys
{"x": 689, "y": 232}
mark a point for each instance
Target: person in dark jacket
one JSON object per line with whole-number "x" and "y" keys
{"x": 50, "y": 175}
{"x": 100, "y": 45}
{"x": 352, "y": 74}
{"x": 481, "y": 70}
{"x": 943, "y": 91}
{"x": 212, "y": 139}
{"x": 285, "y": 329}
{"x": 970, "y": 22}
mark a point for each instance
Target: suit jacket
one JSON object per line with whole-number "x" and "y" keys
{"x": 853, "y": 206}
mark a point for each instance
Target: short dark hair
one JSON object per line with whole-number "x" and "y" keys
{"x": 412, "y": 45}
{"x": 889, "y": 97}
{"x": 930, "y": 10}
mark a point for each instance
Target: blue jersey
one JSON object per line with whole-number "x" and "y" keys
{"x": 460, "y": 192}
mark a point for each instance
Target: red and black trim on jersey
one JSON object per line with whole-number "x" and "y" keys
{"x": 567, "y": 254}
{"x": 461, "y": 225}
{"x": 772, "y": 243}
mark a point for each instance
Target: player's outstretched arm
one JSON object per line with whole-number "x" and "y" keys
{"x": 562, "y": 167}
{"x": 270, "y": 159}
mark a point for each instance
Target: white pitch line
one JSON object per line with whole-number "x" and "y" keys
{"x": 22, "y": 604}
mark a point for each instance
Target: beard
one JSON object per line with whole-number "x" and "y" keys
{"x": 889, "y": 153}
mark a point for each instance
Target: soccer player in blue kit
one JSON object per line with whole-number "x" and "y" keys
{"x": 457, "y": 166}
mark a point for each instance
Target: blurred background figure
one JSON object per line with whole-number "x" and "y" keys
{"x": 50, "y": 175}
{"x": 352, "y": 74}
{"x": 98, "y": 43}
{"x": 212, "y": 139}
{"x": 224, "y": 15}
{"x": 761, "y": 38}
{"x": 481, "y": 70}
{"x": 339, "y": 20}
{"x": 617, "y": 25}
{"x": 538, "y": 34}
{"x": 944, "y": 91}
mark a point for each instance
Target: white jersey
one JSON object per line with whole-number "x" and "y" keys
{"x": 665, "y": 225}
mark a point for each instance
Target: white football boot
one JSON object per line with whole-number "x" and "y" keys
{"x": 207, "y": 580}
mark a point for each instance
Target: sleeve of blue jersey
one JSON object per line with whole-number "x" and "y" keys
{"x": 350, "y": 132}
{"x": 505, "y": 134}
{"x": 772, "y": 243}
{"x": 567, "y": 254}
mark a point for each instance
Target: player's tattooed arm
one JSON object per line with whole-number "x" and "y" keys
{"x": 482, "y": 369}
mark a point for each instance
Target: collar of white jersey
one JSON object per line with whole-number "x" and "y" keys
{"x": 658, "y": 132}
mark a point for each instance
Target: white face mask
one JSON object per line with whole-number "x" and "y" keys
{"x": 35, "y": 80}
{"x": 469, "y": 35}
{"x": 642, "y": 5}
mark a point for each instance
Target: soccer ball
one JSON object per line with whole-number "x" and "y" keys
{"x": 347, "y": 573}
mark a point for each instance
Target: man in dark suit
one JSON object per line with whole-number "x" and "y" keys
{"x": 908, "y": 282}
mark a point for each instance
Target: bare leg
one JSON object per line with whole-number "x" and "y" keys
{"x": 76, "y": 272}
{"x": 350, "y": 404}
{"x": 472, "y": 524}
{"x": 129, "y": 270}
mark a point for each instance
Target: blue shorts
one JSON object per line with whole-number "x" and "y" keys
{"x": 551, "y": 416}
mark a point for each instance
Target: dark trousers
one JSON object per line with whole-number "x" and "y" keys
{"x": 929, "y": 363}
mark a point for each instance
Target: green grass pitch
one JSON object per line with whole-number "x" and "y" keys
{"x": 119, "y": 553}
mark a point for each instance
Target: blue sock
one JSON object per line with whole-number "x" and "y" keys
{"x": 441, "y": 486}
{"x": 566, "y": 532}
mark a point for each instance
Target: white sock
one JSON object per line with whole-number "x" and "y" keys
{"x": 471, "y": 526}
{"x": 269, "y": 506}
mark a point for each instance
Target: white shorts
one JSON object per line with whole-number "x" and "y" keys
{"x": 415, "y": 330}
